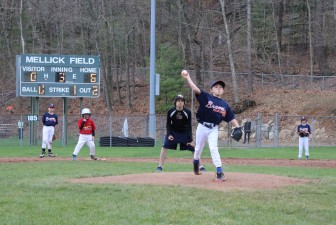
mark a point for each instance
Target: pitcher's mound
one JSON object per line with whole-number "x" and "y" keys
{"x": 234, "y": 181}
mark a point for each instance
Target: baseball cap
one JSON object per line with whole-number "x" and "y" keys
{"x": 51, "y": 105}
{"x": 303, "y": 118}
{"x": 179, "y": 97}
{"x": 218, "y": 82}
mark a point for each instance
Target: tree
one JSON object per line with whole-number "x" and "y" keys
{"x": 278, "y": 35}
{"x": 311, "y": 53}
{"x": 249, "y": 47}
{"x": 320, "y": 48}
{"x": 169, "y": 66}
{"x": 228, "y": 41}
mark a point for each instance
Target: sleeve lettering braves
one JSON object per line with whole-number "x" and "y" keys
{"x": 212, "y": 109}
{"x": 49, "y": 119}
{"x": 88, "y": 128}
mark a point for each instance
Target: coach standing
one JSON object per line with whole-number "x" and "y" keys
{"x": 49, "y": 120}
{"x": 179, "y": 131}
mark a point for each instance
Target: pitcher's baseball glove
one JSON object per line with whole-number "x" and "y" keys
{"x": 237, "y": 133}
{"x": 302, "y": 134}
{"x": 54, "y": 137}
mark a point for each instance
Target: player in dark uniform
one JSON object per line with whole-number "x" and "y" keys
{"x": 303, "y": 131}
{"x": 49, "y": 120}
{"x": 211, "y": 112}
{"x": 247, "y": 131}
{"x": 179, "y": 130}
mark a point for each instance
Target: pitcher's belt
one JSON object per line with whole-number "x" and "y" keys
{"x": 208, "y": 125}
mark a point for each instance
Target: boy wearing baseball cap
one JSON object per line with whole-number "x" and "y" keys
{"x": 211, "y": 112}
{"x": 49, "y": 120}
{"x": 303, "y": 131}
{"x": 178, "y": 130}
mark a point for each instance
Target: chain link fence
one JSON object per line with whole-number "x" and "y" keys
{"x": 267, "y": 130}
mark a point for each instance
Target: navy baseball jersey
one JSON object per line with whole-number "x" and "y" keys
{"x": 212, "y": 109}
{"x": 179, "y": 121}
{"x": 305, "y": 128}
{"x": 49, "y": 119}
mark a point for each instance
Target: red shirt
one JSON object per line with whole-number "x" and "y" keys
{"x": 88, "y": 128}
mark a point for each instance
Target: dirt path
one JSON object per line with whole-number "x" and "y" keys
{"x": 235, "y": 161}
{"x": 234, "y": 181}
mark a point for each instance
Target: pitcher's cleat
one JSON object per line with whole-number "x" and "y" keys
{"x": 220, "y": 177}
{"x": 50, "y": 154}
{"x": 196, "y": 167}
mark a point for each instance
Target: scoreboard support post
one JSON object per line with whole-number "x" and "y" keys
{"x": 80, "y": 106}
{"x": 65, "y": 122}
{"x": 33, "y": 123}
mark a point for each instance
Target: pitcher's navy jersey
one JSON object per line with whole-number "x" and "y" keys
{"x": 49, "y": 119}
{"x": 212, "y": 109}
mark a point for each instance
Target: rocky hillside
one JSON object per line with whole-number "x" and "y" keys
{"x": 289, "y": 104}
{"x": 267, "y": 101}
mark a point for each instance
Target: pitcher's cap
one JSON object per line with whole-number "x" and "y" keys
{"x": 51, "y": 105}
{"x": 218, "y": 82}
{"x": 303, "y": 118}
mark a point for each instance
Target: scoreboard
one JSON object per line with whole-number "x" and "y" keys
{"x": 57, "y": 75}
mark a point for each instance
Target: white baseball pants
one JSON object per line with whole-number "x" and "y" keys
{"x": 303, "y": 143}
{"x": 85, "y": 139}
{"x": 47, "y": 134}
{"x": 202, "y": 134}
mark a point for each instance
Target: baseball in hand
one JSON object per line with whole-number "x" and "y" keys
{"x": 184, "y": 73}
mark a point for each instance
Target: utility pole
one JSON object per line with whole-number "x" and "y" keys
{"x": 152, "y": 116}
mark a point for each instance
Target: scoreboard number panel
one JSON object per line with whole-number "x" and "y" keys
{"x": 90, "y": 78}
{"x": 41, "y": 89}
{"x": 30, "y": 77}
{"x": 58, "y": 75}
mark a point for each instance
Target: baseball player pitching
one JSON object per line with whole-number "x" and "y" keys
{"x": 211, "y": 112}
{"x": 87, "y": 130}
{"x": 303, "y": 131}
{"x": 49, "y": 120}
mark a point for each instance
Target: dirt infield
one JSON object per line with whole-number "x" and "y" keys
{"x": 234, "y": 181}
{"x": 235, "y": 161}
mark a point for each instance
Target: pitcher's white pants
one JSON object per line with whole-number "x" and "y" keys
{"x": 202, "y": 134}
{"x": 47, "y": 134}
{"x": 303, "y": 142}
{"x": 85, "y": 139}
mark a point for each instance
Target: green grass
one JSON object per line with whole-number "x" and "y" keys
{"x": 40, "y": 193}
{"x": 11, "y": 148}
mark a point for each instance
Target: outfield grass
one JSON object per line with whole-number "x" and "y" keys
{"x": 11, "y": 148}
{"x": 39, "y": 192}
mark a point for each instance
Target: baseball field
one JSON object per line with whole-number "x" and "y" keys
{"x": 263, "y": 186}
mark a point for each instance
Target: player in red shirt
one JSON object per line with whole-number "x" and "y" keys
{"x": 87, "y": 129}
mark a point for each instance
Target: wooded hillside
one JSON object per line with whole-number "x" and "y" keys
{"x": 235, "y": 36}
